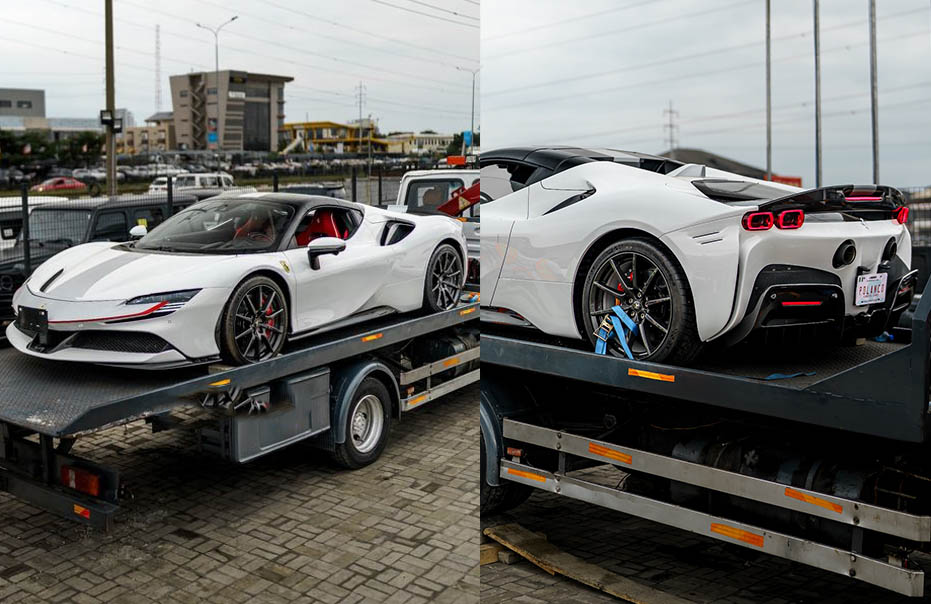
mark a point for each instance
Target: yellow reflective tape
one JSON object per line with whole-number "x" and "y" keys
{"x": 737, "y": 534}
{"x": 805, "y": 497}
{"x": 662, "y": 377}
{"x": 81, "y": 511}
{"x": 451, "y": 362}
{"x": 528, "y": 475}
{"x": 609, "y": 453}
{"x": 466, "y": 311}
{"x": 372, "y": 337}
{"x": 221, "y": 383}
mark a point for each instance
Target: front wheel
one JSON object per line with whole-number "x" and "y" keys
{"x": 650, "y": 287}
{"x": 443, "y": 284}
{"x": 254, "y": 326}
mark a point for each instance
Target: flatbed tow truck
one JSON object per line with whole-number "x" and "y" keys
{"x": 324, "y": 389}
{"x": 825, "y": 462}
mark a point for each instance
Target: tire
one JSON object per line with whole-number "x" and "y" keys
{"x": 506, "y": 496}
{"x": 443, "y": 282}
{"x": 363, "y": 447}
{"x": 660, "y": 304}
{"x": 266, "y": 334}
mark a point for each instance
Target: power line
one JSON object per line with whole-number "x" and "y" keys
{"x": 414, "y": 77}
{"x": 444, "y": 10}
{"x": 520, "y": 32}
{"x": 680, "y": 58}
{"x": 639, "y": 26}
{"x": 417, "y": 12}
{"x": 575, "y": 96}
{"x": 432, "y": 51}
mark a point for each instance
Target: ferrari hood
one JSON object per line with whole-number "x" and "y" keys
{"x": 108, "y": 271}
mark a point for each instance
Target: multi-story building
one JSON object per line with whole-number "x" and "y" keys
{"x": 422, "y": 143}
{"x": 242, "y": 112}
{"x": 21, "y": 102}
{"x": 334, "y": 137}
{"x": 157, "y": 135}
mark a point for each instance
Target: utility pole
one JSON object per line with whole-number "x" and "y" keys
{"x": 769, "y": 97}
{"x": 817, "y": 36}
{"x": 874, "y": 93}
{"x": 474, "y": 72}
{"x": 671, "y": 129}
{"x": 111, "y": 99}
{"x": 158, "y": 69}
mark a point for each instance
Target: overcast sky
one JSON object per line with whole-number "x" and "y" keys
{"x": 601, "y": 72}
{"x": 407, "y": 60}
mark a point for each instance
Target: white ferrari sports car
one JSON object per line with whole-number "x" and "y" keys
{"x": 235, "y": 278}
{"x": 650, "y": 258}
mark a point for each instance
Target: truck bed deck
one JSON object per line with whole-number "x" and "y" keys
{"x": 878, "y": 388}
{"x": 63, "y": 399}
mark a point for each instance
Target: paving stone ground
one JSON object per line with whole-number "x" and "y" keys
{"x": 670, "y": 560}
{"x": 290, "y": 527}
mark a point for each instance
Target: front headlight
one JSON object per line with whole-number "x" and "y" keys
{"x": 179, "y": 297}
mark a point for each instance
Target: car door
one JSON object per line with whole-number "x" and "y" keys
{"x": 505, "y": 200}
{"x": 346, "y": 283}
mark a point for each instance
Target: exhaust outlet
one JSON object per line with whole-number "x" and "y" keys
{"x": 846, "y": 253}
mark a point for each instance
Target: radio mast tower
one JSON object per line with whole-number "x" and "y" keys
{"x": 158, "y": 69}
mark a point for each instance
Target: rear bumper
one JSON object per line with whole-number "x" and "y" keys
{"x": 795, "y": 297}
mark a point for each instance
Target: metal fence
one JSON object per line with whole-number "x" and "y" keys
{"x": 919, "y": 214}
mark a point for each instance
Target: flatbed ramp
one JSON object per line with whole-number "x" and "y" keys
{"x": 63, "y": 399}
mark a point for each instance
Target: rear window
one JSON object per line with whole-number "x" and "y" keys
{"x": 737, "y": 190}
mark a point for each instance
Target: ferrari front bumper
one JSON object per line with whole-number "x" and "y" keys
{"x": 113, "y": 333}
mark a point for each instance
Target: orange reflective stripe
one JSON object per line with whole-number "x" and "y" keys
{"x": 805, "y": 497}
{"x": 466, "y": 311}
{"x": 529, "y": 475}
{"x": 737, "y": 534}
{"x": 650, "y": 375}
{"x": 374, "y": 336}
{"x": 609, "y": 453}
{"x": 82, "y": 511}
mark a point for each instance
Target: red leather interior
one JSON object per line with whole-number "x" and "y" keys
{"x": 323, "y": 224}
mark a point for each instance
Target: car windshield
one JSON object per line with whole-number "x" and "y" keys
{"x": 58, "y": 226}
{"x": 222, "y": 226}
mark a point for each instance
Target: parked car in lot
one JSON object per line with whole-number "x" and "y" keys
{"x": 11, "y": 216}
{"x": 62, "y": 183}
{"x": 326, "y": 189}
{"x": 58, "y": 225}
{"x": 212, "y": 180}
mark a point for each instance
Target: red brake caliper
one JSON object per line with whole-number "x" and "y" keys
{"x": 270, "y": 322}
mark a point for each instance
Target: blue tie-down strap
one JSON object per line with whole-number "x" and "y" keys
{"x": 620, "y": 324}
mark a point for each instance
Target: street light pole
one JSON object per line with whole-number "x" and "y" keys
{"x": 817, "y": 36}
{"x": 216, "y": 59}
{"x": 769, "y": 98}
{"x": 874, "y": 101}
{"x": 111, "y": 100}
{"x": 474, "y": 72}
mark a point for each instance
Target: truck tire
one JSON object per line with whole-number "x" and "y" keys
{"x": 368, "y": 424}
{"x": 504, "y": 497}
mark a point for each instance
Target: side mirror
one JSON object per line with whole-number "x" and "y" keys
{"x": 138, "y": 232}
{"x": 322, "y": 246}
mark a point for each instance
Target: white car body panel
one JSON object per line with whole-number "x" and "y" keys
{"x": 531, "y": 258}
{"x": 86, "y": 287}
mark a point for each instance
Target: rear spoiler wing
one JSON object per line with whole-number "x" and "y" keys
{"x": 850, "y": 199}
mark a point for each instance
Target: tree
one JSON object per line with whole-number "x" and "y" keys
{"x": 455, "y": 147}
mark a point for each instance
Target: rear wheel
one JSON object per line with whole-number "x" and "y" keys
{"x": 501, "y": 498}
{"x": 255, "y": 322}
{"x": 367, "y": 425}
{"x": 651, "y": 288}
{"x": 443, "y": 284}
